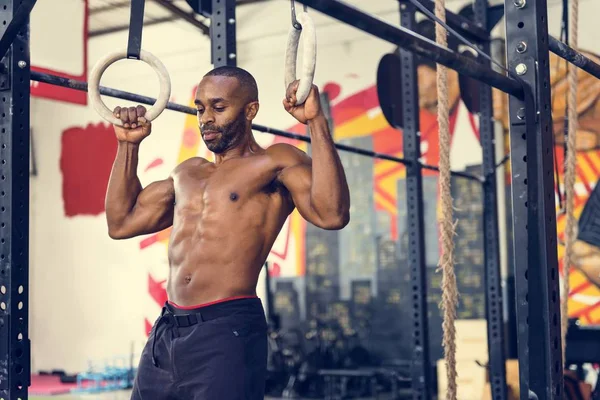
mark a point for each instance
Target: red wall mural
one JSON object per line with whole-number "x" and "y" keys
{"x": 86, "y": 158}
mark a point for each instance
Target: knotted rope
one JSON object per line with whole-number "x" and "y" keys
{"x": 449, "y": 288}
{"x": 571, "y": 166}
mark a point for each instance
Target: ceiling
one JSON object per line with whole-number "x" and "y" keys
{"x": 108, "y": 16}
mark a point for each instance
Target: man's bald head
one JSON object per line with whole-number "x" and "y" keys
{"x": 227, "y": 102}
{"x": 246, "y": 80}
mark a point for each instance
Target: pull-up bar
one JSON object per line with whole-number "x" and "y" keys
{"x": 574, "y": 57}
{"x": 464, "y": 25}
{"x": 20, "y": 17}
{"x": 416, "y": 43}
{"x": 83, "y": 86}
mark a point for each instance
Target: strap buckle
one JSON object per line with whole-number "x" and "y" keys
{"x": 295, "y": 22}
{"x": 186, "y": 320}
{"x": 136, "y": 22}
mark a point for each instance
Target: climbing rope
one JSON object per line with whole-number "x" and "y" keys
{"x": 449, "y": 288}
{"x": 571, "y": 166}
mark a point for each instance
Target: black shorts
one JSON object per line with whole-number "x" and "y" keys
{"x": 214, "y": 352}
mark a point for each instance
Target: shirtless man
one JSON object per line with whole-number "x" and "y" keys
{"x": 210, "y": 341}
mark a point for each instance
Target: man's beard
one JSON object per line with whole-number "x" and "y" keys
{"x": 228, "y": 134}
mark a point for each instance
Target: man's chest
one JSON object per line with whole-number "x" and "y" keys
{"x": 230, "y": 183}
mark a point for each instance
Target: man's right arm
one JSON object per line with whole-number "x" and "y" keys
{"x": 133, "y": 211}
{"x": 130, "y": 209}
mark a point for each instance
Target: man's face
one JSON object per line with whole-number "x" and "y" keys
{"x": 221, "y": 112}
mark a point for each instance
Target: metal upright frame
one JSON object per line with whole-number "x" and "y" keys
{"x": 491, "y": 229}
{"x": 222, "y": 29}
{"x": 534, "y": 217}
{"x": 421, "y": 369}
{"x": 14, "y": 204}
{"x": 534, "y": 213}
{"x": 223, "y": 33}
{"x": 477, "y": 31}
{"x": 534, "y": 233}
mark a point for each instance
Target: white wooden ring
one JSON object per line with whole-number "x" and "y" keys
{"x": 101, "y": 66}
{"x": 310, "y": 56}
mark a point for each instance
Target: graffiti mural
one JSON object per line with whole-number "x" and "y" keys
{"x": 85, "y": 164}
{"x": 584, "y": 278}
{"x": 584, "y": 296}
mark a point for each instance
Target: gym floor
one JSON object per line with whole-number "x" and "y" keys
{"x": 122, "y": 395}
{"x": 117, "y": 395}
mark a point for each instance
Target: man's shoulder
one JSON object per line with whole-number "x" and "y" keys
{"x": 190, "y": 163}
{"x": 286, "y": 154}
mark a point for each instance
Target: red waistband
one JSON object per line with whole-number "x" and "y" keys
{"x": 212, "y": 302}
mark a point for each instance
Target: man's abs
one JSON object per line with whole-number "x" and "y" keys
{"x": 219, "y": 253}
{"x": 224, "y": 224}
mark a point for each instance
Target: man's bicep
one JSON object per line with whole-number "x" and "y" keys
{"x": 298, "y": 181}
{"x": 296, "y": 176}
{"x": 153, "y": 210}
{"x": 157, "y": 194}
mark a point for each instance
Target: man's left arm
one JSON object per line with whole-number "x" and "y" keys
{"x": 318, "y": 187}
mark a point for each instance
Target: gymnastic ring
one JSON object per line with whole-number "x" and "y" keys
{"x": 310, "y": 56}
{"x": 101, "y": 66}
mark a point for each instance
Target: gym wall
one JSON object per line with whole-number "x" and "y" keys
{"x": 93, "y": 297}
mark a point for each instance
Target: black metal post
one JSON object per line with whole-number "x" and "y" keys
{"x": 534, "y": 219}
{"x": 20, "y": 17}
{"x": 565, "y": 52}
{"x": 15, "y": 361}
{"x": 415, "y": 43}
{"x": 187, "y": 16}
{"x": 125, "y": 27}
{"x": 223, "y": 33}
{"x": 469, "y": 29}
{"x": 491, "y": 230}
{"x": 421, "y": 369}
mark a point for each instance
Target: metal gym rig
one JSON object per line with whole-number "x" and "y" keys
{"x": 533, "y": 213}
